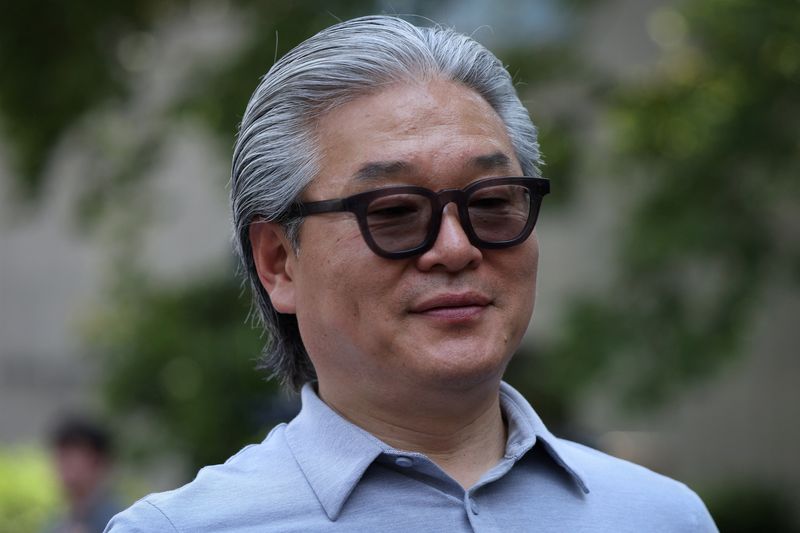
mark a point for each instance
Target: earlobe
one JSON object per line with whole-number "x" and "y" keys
{"x": 273, "y": 257}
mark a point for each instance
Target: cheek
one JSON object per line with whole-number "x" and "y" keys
{"x": 520, "y": 285}
{"x": 532, "y": 270}
{"x": 349, "y": 315}
{"x": 342, "y": 285}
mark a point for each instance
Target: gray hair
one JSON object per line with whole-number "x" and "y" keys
{"x": 275, "y": 156}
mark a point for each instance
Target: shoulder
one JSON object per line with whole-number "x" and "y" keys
{"x": 605, "y": 472}
{"x": 254, "y": 486}
{"x": 142, "y": 516}
{"x": 645, "y": 494}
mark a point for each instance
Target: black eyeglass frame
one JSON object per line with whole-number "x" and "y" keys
{"x": 358, "y": 204}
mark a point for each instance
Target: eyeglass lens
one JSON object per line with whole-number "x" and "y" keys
{"x": 402, "y": 222}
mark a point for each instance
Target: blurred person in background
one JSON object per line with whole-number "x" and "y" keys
{"x": 82, "y": 457}
{"x": 385, "y": 188}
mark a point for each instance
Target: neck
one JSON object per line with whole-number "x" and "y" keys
{"x": 461, "y": 431}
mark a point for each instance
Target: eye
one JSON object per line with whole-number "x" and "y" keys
{"x": 490, "y": 202}
{"x": 393, "y": 211}
{"x": 499, "y": 198}
{"x": 395, "y": 207}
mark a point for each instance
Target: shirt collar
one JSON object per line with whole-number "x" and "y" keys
{"x": 333, "y": 453}
{"x": 525, "y": 428}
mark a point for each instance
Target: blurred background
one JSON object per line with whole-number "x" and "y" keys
{"x": 667, "y": 320}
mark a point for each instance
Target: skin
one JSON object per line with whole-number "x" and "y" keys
{"x": 81, "y": 470}
{"x": 421, "y": 378}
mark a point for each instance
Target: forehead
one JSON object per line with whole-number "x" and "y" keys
{"x": 436, "y": 131}
{"x": 77, "y": 452}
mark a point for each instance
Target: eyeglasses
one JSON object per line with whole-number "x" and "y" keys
{"x": 404, "y": 221}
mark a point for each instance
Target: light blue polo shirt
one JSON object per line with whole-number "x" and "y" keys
{"x": 322, "y": 473}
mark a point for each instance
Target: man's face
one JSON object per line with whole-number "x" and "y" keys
{"x": 80, "y": 469}
{"x": 449, "y": 318}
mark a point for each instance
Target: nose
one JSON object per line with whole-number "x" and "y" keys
{"x": 452, "y": 250}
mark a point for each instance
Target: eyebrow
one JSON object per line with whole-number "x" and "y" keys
{"x": 388, "y": 169}
{"x": 497, "y": 160}
{"x": 383, "y": 169}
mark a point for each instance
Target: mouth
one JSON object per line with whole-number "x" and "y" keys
{"x": 452, "y": 306}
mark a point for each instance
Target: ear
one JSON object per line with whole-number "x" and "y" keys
{"x": 274, "y": 259}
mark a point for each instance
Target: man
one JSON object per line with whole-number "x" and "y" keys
{"x": 82, "y": 457}
{"x": 385, "y": 187}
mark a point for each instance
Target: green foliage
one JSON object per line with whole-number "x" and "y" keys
{"x": 28, "y": 491}
{"x": 710, "y": 145}
{"x": 181, "y": 362}
{"x": 62, "y": 61}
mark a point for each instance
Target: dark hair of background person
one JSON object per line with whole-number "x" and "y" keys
{"x": 80, "y": 431}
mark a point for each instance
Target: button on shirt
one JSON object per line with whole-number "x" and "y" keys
{"x": 321, "y": 472}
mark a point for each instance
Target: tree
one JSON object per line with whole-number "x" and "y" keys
{"x": 182, "y": 360}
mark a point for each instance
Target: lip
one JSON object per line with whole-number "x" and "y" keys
{"x": 454, "y": 306}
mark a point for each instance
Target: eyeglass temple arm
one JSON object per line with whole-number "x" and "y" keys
{"x": 312, "y": 208}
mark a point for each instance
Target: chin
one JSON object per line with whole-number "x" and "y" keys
{"x": 463, "y": 373}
